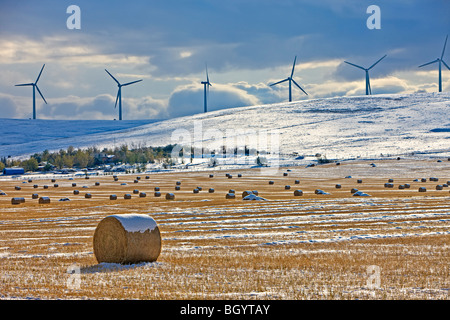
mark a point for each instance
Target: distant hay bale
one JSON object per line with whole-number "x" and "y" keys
{"x": 439, "y": 187}
{"x": 156, "y": 188}
{"x": 246, "y": 193}
{"x": 142, "y": 195}
{"x": 30, "y": 180}
{"x": 227, "y": 174}
{"x": 76, "y": 192}
{"x": 87, "y": 177}
{"x": 231, "y": 191}
{"x": 239, "y": 175}
{"x": 319, "y": 191}
{"x": 116, "y": 179}
{"x": 230, "y": 196}
{"x": 17, "y": 188}
{"x": 177, "y": 187}
{"x": 138, "y": 178}
{"x": 359, "y": 181}
{"x": 34, "y": 196}
{"x": 211, "y": 190}
{"x": 287, "y": 187}
{"x": 388, "y": 185}
{"x": 401, "y": 186}
{"x": 353, "y": 190}
{"x": 88, "y": 195}
{"x": 127, "y": 196}
{"x": 97, "y": 183}
{"x": 422, "y": 189}
{"x": 407, "y": 185}
{"x": 285, "y": 174}
{"x": 211, "y": 176}
{"x": 170, "y": 196}
{"x": 113, "y": 197}
{"x": 135, "y": 191}
{"x": 157, "y": 194}
{"x": 17, "y": 200}
{"x": 423, "y": 180}
{"x": 271, "y": 182}
{"x": 195, "y": 190}
{"x": 298, "y": 193}
{"x": 434, "y": 179}
{"x": 338, "y": 186}
{"x": 127, "y": 239}
{"x": 35, "y": 186}
{"x": 136, "y": 181}
{"x": 200, "y": 188}
{"x": 297, "y": 181}
{"x": 147, "y": 177}
{"x": 45, "y": 186}
{"x": 230, "y": 176}
{"x": 74, "y": 184}
{"x": 178, "y": 183}
{"x": 44, "y": 200}
{"x": 53, "y": 180}
{"x": 55, "y": 185}
{"x": 390, "y": 180}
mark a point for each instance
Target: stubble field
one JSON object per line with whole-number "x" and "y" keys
{"x": 393, "y": 244}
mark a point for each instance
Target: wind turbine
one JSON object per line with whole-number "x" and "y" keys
{"x": 440, "y": 65}
{"x": 119, "y": 92}
{"x": 206, "y": 90}
{"x": 34, "y": 84}
{"x": 368, "y": 88}
{"x": 290, "y": 79}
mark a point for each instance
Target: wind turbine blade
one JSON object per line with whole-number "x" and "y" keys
{"x": 41, "y": 94}
{"x": 24, "y": 84}
{"x": 293, "y": 67}
{"x": 117, "y": 98}
{"x": 423, "y": 65}
{"x": 40, "y": 73}
{"x": 127, "y": 84}
{"x": 279, "y": 82}
{"x": 113, "y": 77}
{"x": 443, "y": 50}
{"x": 352, "y": 64}
{"x": 298, "y": 86}
{"x": 377, "y": 62}
{"x": 445, "y": 64}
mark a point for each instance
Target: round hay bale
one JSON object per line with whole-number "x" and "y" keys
{"x": 407, "y": 185}
{"x": 177, "y": 187}
{"x": 211, "y": 176}
{"x": 127, "y": 196}
{"x": 156, "y": 188}
{"x": 30, "y": 180}
{"x": 353, "y": 190}
{"x": 287, "y": 187}
{"x": 87, "y": 177}
{"x": 88, "y": 195}
{"x": 231, "y": 191}
{"x": 319, "y": 191}
{"x": 211, "y": 190}
{"x": 200, "y": 188}
{"x": 35, "y": 186}
{"x": 127, "y": 239}
{"x": 97, "y": 183}
{"x": 178, "y": 183}
{"x": 195, "y": 190}
{"x": 423, "y": 180}
{"x": 246, "y": 193}
{"x": 285, "y": 174}
{"x": 157, "y": 194}
{"x": 239, "y": 175}
{"x": 76, "y": 192}
{"x": 170, "y": 196}
{"x": 445, "y": 185}
{"x": 271, "y": 182}
{"x": 34, "y": 196}
{"x": 113, "y": 197}
{"x": 55, "y": 185}
{"x": 388, "y": 185}
{"x": 297, "y": 181}
{"x": 338, "y": 186}
{"x": 230, "y": 176}
{"x": 136, "y": 181}
{"x": 53, "y": 180}
{"x": 298, "y": 193}
{"x": 74, "y": 184}
{"x": 17, "y": 188}
{"x": 116, "y": 179}
{"x": 138, "y": 178}
{"x": 422, "y": 189}
{"x": 44, "y": 200}
{"x": 17, "y": 200}
{"x": 439, "y": 187}
{"x": 448, "y": 182}
{"x": 45, "y": 186}
{"x": 401, "y": 186}
{"x": 359, "y": 181}
{"x": 135, "y": 191}
{"x": 230, "y": 196}
{"x": 434, "y": 179}
{"x": 390, "y": 180}
{"x": 142, "y": 195}
{"x": 147, "y": 177}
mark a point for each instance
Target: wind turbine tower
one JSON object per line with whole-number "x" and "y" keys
{"x": 35, "y": 86}
{"x": 440, "y": 64}
{"x": 206, "y": 84}
{"x": 290, "y": 79}
{"x": 368, "y": 88}
{"x": 119, "y": 92}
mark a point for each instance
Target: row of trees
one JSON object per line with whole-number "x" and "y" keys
{"x": 90, "y": 157}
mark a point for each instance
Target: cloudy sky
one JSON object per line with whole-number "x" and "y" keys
{"x": 246, "y": 44}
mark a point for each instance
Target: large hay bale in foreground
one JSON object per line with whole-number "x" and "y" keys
{"x": 298, "y": 193}
{"x": 17, "y": 200}
{"x": 43, "y": 200}
{"x": 126, "y": 239}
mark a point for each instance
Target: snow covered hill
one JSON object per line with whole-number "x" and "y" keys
{"x": 340, "y": 128}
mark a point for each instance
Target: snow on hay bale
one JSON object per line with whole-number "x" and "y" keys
{"x": 318, "y": 191}
{"x": 353, "y": 190}
{"x": 298, "y": 193}
{"x": 361, "y": 194}
{"x": 127, "y": 239}
{"x": 246, "y": 193}
{"x": 253, "y": 197}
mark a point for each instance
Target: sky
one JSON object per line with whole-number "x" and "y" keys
{"x": 245, "y": 44}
